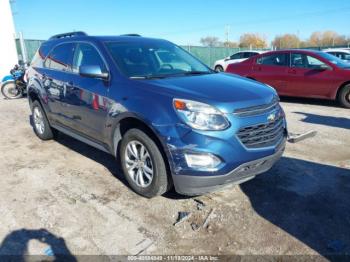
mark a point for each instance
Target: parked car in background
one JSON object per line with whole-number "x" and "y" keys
{"x": 169, "y": 118}
{"x": 302, "y": 73}
{"x": 221, "y": 65}
{"x": 343, "y": 54}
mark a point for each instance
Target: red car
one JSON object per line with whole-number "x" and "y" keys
{"x": 302, "y": 73}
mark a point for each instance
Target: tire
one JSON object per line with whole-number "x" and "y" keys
{"x": 10, "y": 91}
{"x": 159, "y": 183}
{"x": 219, "y": 68}
{"x": 41, "y": 125}
{"x": 344, "y": 96}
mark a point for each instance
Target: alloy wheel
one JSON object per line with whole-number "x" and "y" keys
{"x": 38, "y": 120}
{"x": 139, "y": 164}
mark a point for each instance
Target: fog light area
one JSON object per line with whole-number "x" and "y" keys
{"x": 202, "y": 161}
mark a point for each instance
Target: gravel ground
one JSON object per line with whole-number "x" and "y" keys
{"x": 62, "y": 196}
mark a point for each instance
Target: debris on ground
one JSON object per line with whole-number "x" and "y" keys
{"x": 336, "y": 246}
{"x": 200, "y": 204}
{"x": 195, "y": 227}
{"x": 182, "y": 216}
{"x": 206, "y": 221}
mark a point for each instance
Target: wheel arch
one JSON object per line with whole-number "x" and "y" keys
{"x": 129, "y": 121}
{"x": 336, "y": 94}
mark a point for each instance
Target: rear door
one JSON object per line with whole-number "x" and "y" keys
{"x": 86, "y": 97}
{"x": 307, "y": 79}
{"x": 57, "y": 67}
{"x": 272, "y": 69}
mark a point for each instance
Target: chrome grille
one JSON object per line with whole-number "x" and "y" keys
{"x": 262, "y": 135}
{"x": 257, "y": 110}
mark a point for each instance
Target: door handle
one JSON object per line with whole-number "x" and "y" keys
{"x": 292, "y": 71}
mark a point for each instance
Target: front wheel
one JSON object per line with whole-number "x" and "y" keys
{"x": 219, "y": 68}
{"x": 143, "y": 164}
{"x": 344, "y": 96}
{"x": 10, "y": 90}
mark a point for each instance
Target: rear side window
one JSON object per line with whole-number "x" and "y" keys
{"x": 274, "y": 60}
{"x": 60, "y": 58}
{"x": 87, "y": 55}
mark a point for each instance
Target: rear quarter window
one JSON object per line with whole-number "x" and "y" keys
{"x": 40, "y": 55}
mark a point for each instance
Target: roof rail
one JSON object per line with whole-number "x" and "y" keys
{"x": 130, "y": 35}
{"x": 70, "y": 34}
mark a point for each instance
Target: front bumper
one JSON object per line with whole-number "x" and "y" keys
{"x": 198, "y": 185}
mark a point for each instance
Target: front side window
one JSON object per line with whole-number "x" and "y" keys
{"x": 344, "y": 56}
{"x": 236, "y": 56}
{"x": 87, "y": 55}
{"x": 154, "y": 59}
{"x": 274, "y": 60}
{"x": 249, "y": 54}
{"x": 60, "y": 57}
{"x": 305, "y": 61}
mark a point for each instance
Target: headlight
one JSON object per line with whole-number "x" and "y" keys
{"x": 199, "y": 115}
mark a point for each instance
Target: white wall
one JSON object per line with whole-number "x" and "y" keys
{"x": 8, "y": 53}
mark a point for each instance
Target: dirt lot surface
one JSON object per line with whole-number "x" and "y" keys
{"x": 65, "y": 196}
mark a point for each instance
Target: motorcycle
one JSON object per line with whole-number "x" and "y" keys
{"x": 14, "y": 85}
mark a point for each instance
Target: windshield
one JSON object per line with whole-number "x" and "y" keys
{"x": 156, "y": 59}
{"x": 334, "y": 60}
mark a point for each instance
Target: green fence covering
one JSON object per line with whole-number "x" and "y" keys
{"x": 208, "y": 55}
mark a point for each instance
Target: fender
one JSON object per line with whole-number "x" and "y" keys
{"x": 8, "y": 78}
{"x": 115, "y": 135}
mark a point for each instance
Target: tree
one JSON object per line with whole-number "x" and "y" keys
{"x": 286, "y": 41}
{"x": 327, "y": 38}
{"x": 210, "y": 41}
{"x": 252, "y": 40}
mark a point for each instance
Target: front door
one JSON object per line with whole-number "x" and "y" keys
{"x": 86, "y": 97}
{"x": 307, "y": 78}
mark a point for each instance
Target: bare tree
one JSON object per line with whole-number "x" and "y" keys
{"x": 210, "y": 41}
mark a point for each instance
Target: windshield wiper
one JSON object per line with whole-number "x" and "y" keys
{"x": 197, "y": 72}
{"x": 148, "y": 77}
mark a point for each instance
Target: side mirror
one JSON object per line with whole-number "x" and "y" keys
{"x": 93, "y": 71}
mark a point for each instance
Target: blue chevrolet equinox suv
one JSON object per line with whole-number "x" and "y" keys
{"x": 167, "y": 118}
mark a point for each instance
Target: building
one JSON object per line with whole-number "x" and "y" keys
{"x": 8, "y": 52}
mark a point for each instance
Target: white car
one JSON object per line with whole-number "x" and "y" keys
{"x": 221, "y": 65}
{"x": 343, "y": 54}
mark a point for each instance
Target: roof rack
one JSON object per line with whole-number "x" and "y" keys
{"x": 130, "y": 35}
{"x": 70, "y": 34}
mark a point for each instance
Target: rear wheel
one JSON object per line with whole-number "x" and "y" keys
{"x": 143, "y": 164}
{"x": 219, "y": 68}
{"x": 344, "y": 96}
{"x": 41, "y": 126}
{"x": 10, "y": 90}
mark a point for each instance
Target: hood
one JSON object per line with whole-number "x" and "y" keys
{"x": 225, "y": 91}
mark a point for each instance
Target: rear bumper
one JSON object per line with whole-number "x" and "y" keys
{"x": 198, "y": 185}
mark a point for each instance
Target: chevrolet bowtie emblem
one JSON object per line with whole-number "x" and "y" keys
{"x": 271, "y": 117}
